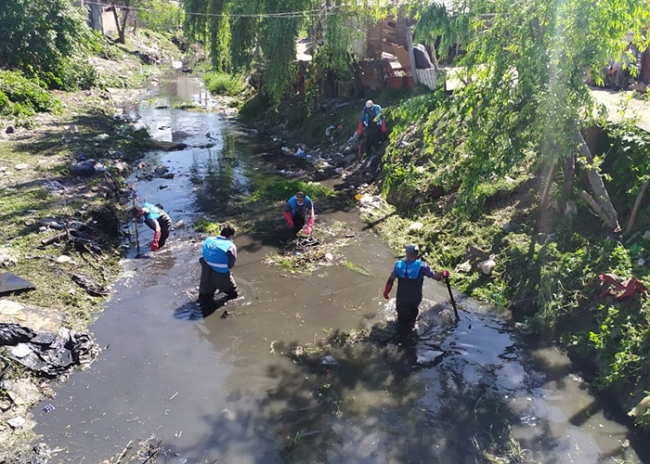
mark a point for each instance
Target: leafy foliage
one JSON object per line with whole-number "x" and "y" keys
{"x": 522, "y": 86}
{"x": 47, "y": 39}
{"x": 264, "y": 33}
{"x": 20, "y": 96}
{"x": 159, "y": 15}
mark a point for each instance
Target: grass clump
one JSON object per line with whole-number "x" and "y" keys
{"x": 285, "y": 189}
{"x": 221, "y": 83}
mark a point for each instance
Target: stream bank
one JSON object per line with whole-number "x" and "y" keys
{"x": 302, "y": 368}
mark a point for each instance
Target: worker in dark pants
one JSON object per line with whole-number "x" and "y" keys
{"x": 374, "y": 121}
{"x": 299, "y": 213}
{"x": 410, "y": 273}
{"x": 157, "y": 220}
{"x": 219, "y": 257}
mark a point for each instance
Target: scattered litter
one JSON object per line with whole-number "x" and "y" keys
{"x": 48, "y": 408}
{"x": 93, "y": 288}
{"x": 640, "y": 408}
{"x": 21, "y": 166}
{"x": 21, "y": 391}
{"x": 13, "y": 334}
{"x": 463, "y": 267}
{"x": 329, "y": 130}
{"x": 173, "y": 396}
{"x": 10, "y": 283}
{"x": 7, "y": 260}
{"x": 101, "y": 137}
{"x": 487, "y": 265}
{"x": 53, "y": 185}
{"x": 83, "y": 168}
{"x": 416, "y": 226}
{"x": 180, "y": 224}
{"x": 621, "y": 290}
{"x": 328, "y": 360}
{"x": 287, "y": 150}
{"x": 63, "y": 259}
{"x": 72, "y": 128}
{"x": 21, "y": 350}
{"x": 16, "y": 422}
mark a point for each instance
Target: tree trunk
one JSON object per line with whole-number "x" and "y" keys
{"x": 117, "y": 23}
{"x": 569, "y": 174}
{"x": 546, "y": 193}
{"x": 125, "y": 17}
{"x": 637, "y": 205}
{"x": 605, "y": 206}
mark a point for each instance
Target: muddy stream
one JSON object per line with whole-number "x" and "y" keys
{"x": 223, "y": 389}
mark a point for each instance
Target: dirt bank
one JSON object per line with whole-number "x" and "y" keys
{"x": 63, "y": 221}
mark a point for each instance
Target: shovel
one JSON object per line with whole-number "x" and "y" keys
{"x": 137, "y": 235}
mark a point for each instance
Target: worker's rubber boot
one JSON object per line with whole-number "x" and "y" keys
{"x": 204, "y": 298}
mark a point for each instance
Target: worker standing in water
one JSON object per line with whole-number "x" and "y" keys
{"x": 219, "y": 257}
{"x": 157, "y": 220}
{"x": 410, "y": 273}
{"x": 374, "y": 121}
{"x": 299, "y": 213}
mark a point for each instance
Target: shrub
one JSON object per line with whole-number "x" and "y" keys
{"x": 20, "y": 96}
{"x": 224, "y": 84}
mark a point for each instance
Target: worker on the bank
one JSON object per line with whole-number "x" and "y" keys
{"x": 374, "y": 121}
{"x": 299, "y": 213}
{"x": 157, "y": 220}
{"x": 410, "y": 273}
{"x": 219, "y": 257}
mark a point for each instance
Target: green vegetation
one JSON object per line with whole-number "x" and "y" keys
{"x": 282, "y": 190}
{"x": 48, "y": 40}
{"x": 222, "y": 83}
{"x": 22, "y": 97}
{"x": 265, "y": 37}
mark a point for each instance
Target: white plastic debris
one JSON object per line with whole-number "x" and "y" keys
{"x": 21, "y": 350}
{"x": 180, "y": 224}
{"x": 63, "y": 259}
{"x": 16, "y": 422}
{"x": 329, "y": 130}
{"x": 21, "y": 166}
{"x": 487, "y": 265}
{"x": 101, "y": 137}
{"x": 464, "y": 267}
{"x": 416, "y": 226}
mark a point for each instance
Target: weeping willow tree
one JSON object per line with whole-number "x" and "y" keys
{"x": 262, "y": 34}
{"x": 524, "y": 95}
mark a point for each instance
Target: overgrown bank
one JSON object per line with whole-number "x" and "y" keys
{"x": 64, "y": 159}
{"x": 547, "y": 261}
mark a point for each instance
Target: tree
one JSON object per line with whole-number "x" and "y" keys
{"x": 525, "y": 100}
{"x": 45, "y": 39}
{"x": 121, "y": 19}
{"x": 262, "y": 34}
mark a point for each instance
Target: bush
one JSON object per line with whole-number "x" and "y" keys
{"x": 159, "y": 15}
{"x": 46, "y": 39}
{"x": 224, "y": 84}
{"x": 20, "y": 96}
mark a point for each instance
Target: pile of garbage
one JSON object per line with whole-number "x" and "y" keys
{"x": 47, "y": 354}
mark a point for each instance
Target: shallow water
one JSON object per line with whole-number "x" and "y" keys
{"x": 215, "y": 388}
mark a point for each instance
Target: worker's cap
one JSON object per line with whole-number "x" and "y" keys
{"x": 412, "y": 249}
{"x": 300, "y": 195}
{"x": 369, "y": 104}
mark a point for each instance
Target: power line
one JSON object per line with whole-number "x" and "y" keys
{"x": 288, "y": 14}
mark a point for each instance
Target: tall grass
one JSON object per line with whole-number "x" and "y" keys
{"x": 222, "y": 83}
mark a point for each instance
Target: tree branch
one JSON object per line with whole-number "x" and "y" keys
{"x": 607, "y": 211}
{"x": 637, "y": 205}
